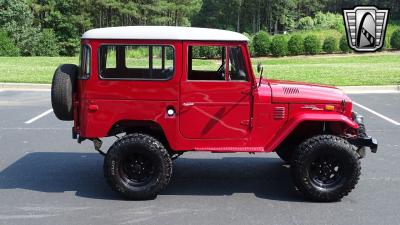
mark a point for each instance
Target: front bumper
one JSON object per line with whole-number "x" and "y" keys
{"x": 363, "y": 140}
{"x": 370, "y": 142}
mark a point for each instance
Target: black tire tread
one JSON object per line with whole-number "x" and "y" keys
{"x": 62, "y": 89}
{"x": 299, "y": 168}
{"x": 152, "y": 145}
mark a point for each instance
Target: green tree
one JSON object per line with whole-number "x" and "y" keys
{"x": 68, "y": 18}
{"x": 7, "y": 47}
{"x": 17, "y": 20}
{"x": 283, "y": 13}
{"x": 306, "y": 23}
{"x": 181, "y": 10}
{"x": 46, "y": 44}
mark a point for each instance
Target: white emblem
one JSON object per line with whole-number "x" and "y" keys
{"x": 365, "y": 27}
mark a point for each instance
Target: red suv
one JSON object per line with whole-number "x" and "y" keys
{"x": 153, "y": 86}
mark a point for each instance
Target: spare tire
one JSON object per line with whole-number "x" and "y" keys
{"x": 62, "y": 91}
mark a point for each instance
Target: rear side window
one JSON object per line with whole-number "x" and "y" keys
{"x": 85, "y": 56}
{"x": 137, "y": 62}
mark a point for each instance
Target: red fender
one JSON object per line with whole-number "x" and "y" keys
{"x": 299, "y": 118}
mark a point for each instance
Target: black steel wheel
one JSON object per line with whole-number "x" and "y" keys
{"x": 325, "y": 168}
{"x": 138, "y": 166}
{"x": 326, "y": 171}
{"x": 137, "y": 169}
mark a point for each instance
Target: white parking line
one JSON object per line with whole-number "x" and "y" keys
{"x": 377, "y": 114}
{"x": 39, "y": 116}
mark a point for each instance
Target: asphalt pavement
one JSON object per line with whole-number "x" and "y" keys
{"x": 47, "y": 178}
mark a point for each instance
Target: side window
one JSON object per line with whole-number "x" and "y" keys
{"x": 206, "y": 63}
{"x": 85, "y": 59}
{"x": 237, "y": 68}
{"x": 142, "y": 62}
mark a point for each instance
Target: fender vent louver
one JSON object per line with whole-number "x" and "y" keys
{"x": 278, "y": 113}
{"x": 290, "y": 90}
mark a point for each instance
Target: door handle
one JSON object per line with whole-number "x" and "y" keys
{"x": 188, "y": 104}
{"x": 93, "y": 108}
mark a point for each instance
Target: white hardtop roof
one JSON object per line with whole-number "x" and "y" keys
{"x": 163, "y": 33}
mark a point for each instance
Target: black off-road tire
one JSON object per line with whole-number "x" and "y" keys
{"x": 131, "y": 147}
{"x": 62, "y": 91}
{"x": 285, "y": 154}
{"x": 308, "y": 155}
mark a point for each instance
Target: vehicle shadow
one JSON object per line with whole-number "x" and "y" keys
{"x": 267, "y": 178}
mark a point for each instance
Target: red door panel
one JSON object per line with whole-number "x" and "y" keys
{"x": 214, "y": 109}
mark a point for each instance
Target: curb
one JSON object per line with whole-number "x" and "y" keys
{"x": 347, "y": 89}
{"x": 370, "y": 89}
{"x": 25, "y": 86}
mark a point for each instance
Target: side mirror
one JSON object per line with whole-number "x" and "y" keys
{"x": 260, "y": 70}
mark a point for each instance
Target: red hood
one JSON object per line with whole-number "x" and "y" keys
{"x": 299, "y": 92}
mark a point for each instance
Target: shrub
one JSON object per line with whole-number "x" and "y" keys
{"x": 395, "y": 39}
{"x": 295, "y": 45}
{"x": 196, "y": 52}
{"x": 279, "y": 46}
{"x": 312, "y": 45}
{"x": 343, "y": 44}
{"x": 261, "y": 43}
{"x": 169, "y": 53}
{"x": 328, "y": 21}
{"x": 7, "y": 47}
{"x": 386, "y": 44}
{"x": 306, "y": 23}
{"x": 330, "y": 45}
{"x": 209, "y": 52}
{"x": 46, "y": 44}
{"x": 137, "y": 53}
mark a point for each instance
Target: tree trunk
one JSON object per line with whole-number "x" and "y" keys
{"x": 176, "y": 17}
{"x": 254, "y": 23}
{"x": 100, "y": 18}
{"x": 258, "y": 17}
{"x": 238, "y": 17}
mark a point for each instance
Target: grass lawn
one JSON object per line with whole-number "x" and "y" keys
{"x": 341, "y": 70}
{"x": 31, "y": 69}
{"x": 338, "y": 70}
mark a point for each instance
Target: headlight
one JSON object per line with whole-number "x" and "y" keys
{"x": 358, "y": 118}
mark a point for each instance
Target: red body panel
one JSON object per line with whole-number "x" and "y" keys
{"x": 222, "y": 116}
{"x": 297, "y": 92}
